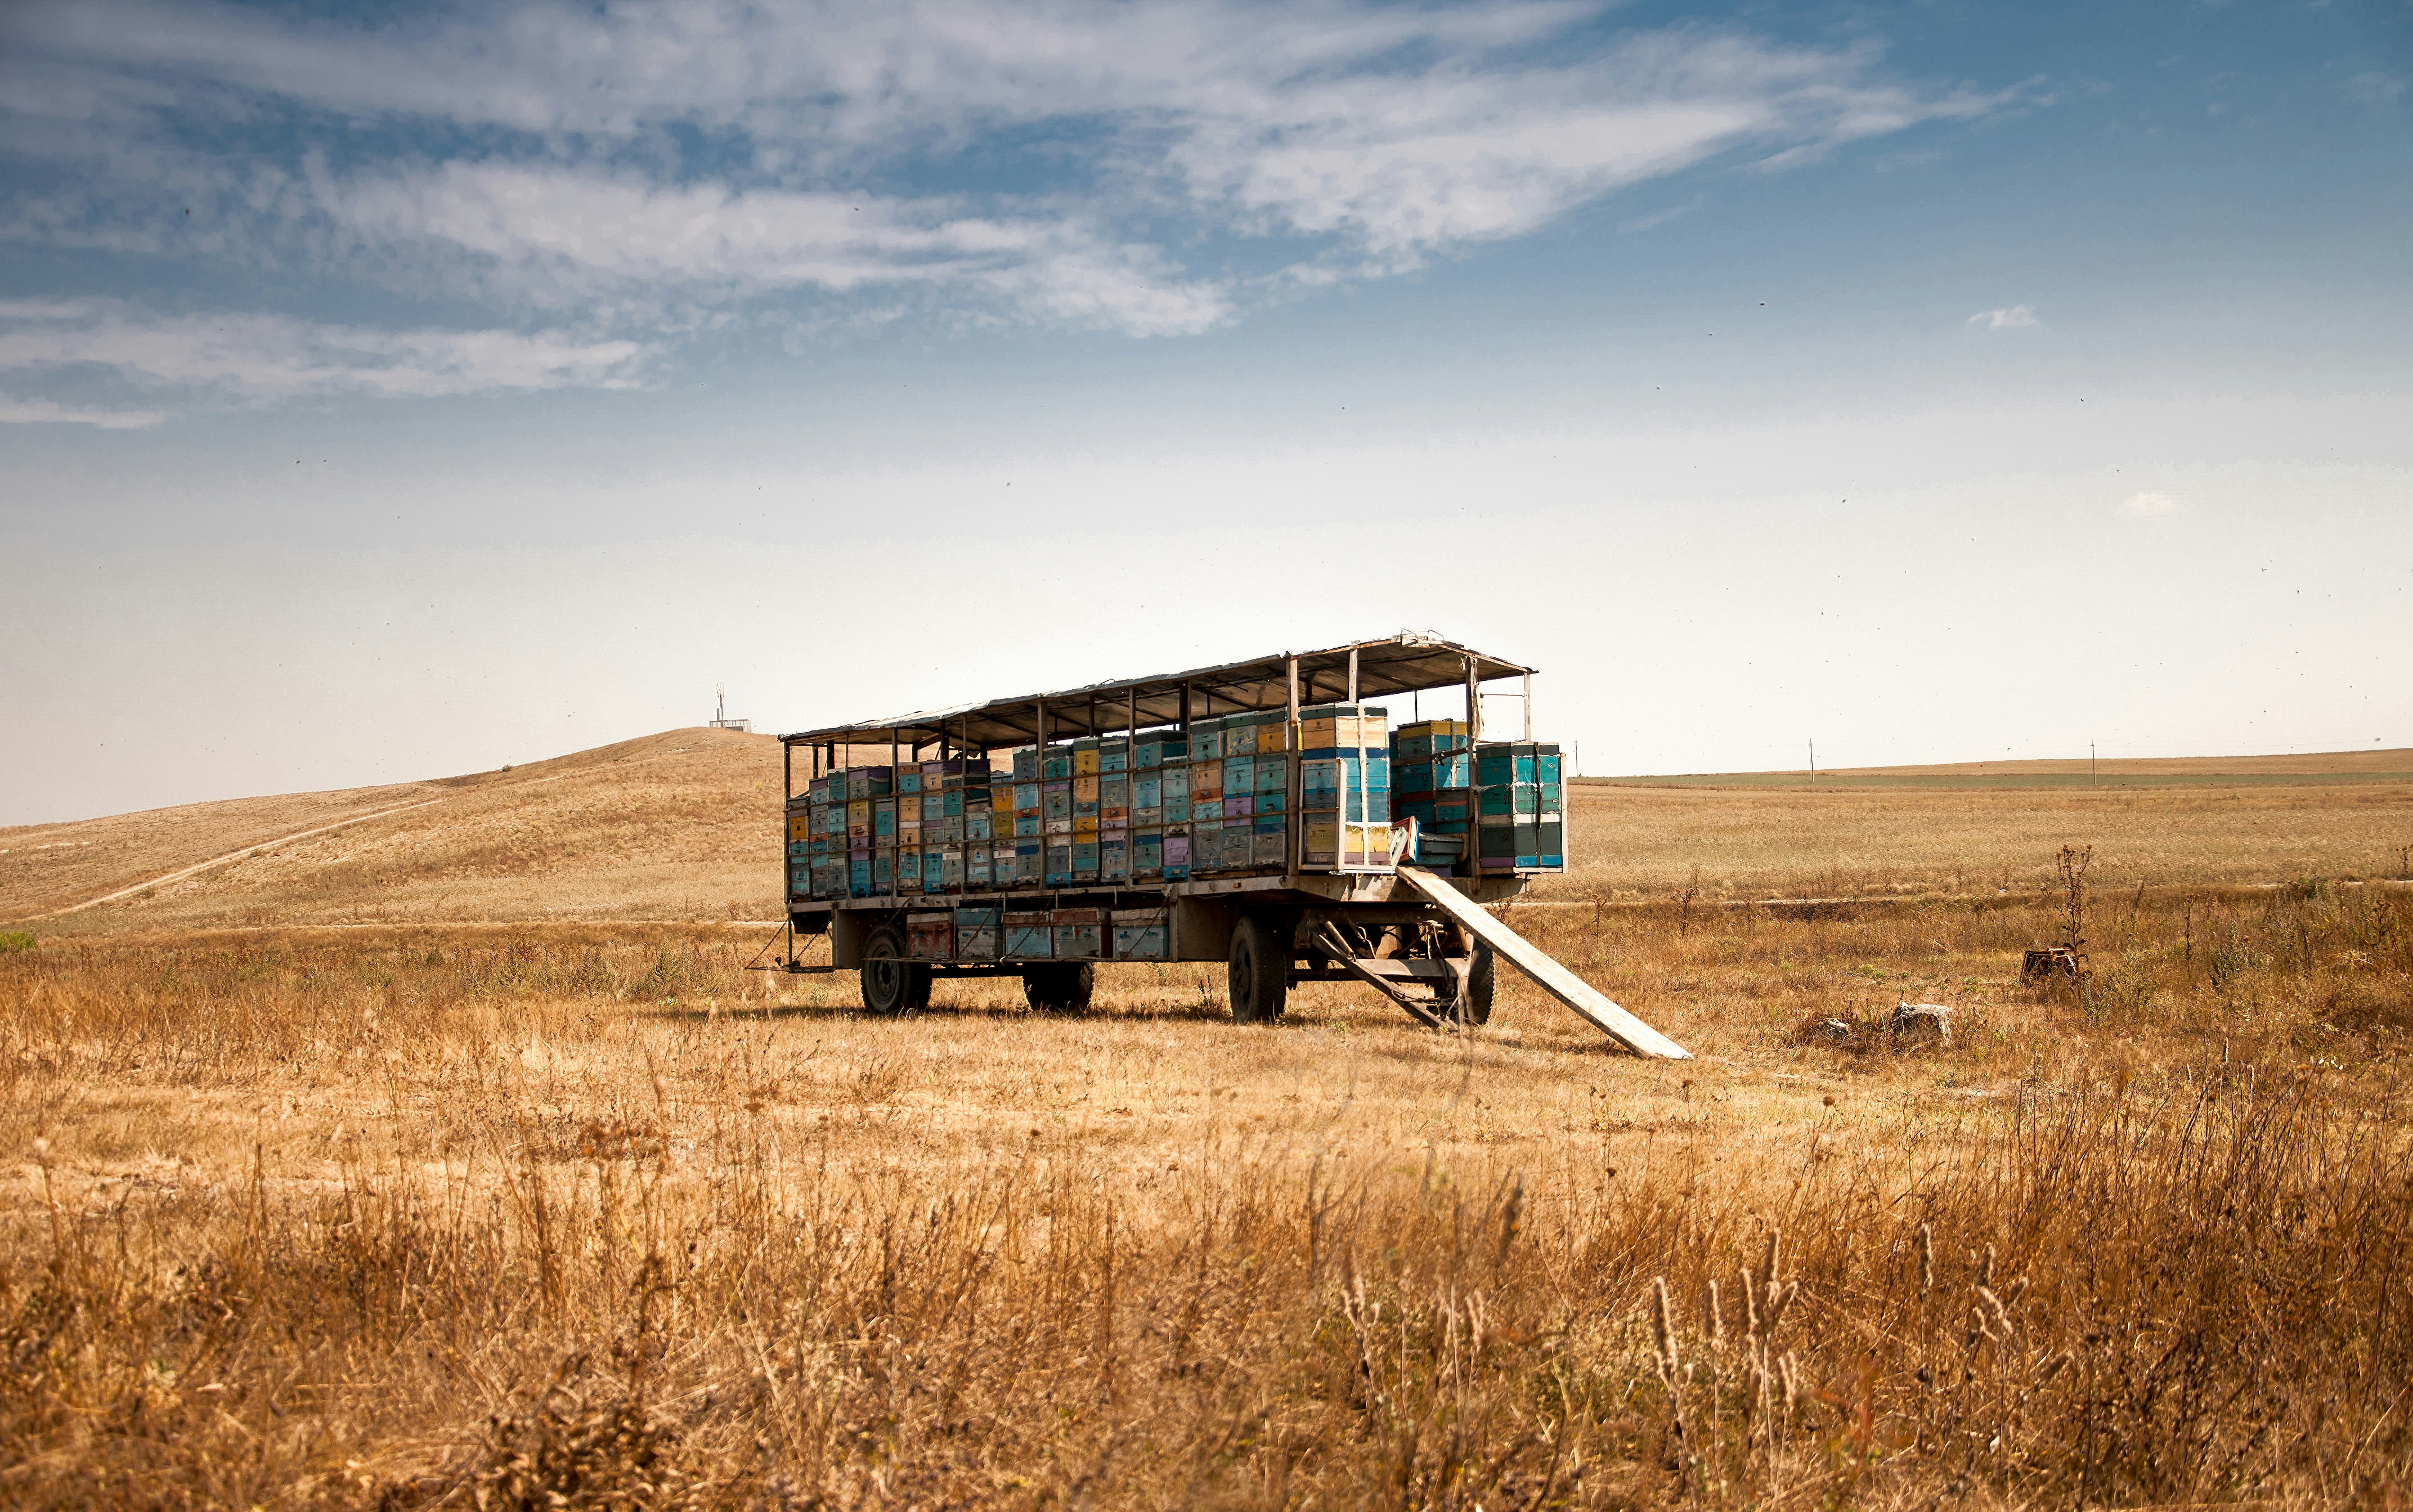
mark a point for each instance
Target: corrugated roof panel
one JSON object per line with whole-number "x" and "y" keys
{"x": 1404, "y": 663}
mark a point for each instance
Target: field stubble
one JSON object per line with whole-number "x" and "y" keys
{"x": 464, "y": 1216}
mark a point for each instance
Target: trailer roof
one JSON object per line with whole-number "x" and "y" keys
{"x": 1402, "y": 663}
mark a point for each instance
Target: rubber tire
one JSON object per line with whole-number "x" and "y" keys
{"x": 1064, "y": 988}
{"x": 893, "y": 984}
{"x": 1481, "y": 979}
{"x": 1259, "y": 982}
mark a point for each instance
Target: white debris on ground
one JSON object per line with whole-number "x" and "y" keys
{"x": 1931, "y": 1020}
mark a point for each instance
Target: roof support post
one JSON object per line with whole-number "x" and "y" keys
{"x": 787, "y": 772}
{"x": 1473, "y": 704}
{"x": 1038, "y": 726}
{"x": 1291, "y": 665}
{"x": 1185, "y": 708}
{"x": 1131, "y": 715}
{"x": 1353, "y": 674}
{"x": 1528, "y": 706}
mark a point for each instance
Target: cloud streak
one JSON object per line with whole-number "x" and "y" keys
{"x": 2008, "y": 318}
{"x": 267, "y": 357}
{"x": 645, "y": 165}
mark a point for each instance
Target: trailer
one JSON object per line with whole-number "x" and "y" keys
{"x": 1314, "y": 876}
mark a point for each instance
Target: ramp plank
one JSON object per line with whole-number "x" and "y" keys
{"x": 1554, "y": 979}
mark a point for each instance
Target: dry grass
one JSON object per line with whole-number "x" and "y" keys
{"x": 1758, "y": 843}
{"x": 578, "y": 1214}
{"x": 353, "y": 1207}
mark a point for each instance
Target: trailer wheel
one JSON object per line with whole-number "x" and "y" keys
{"x": 1260, "y": 973}
{"x": 1479, "y": 982}
{"x": 892, "y": 983}
{"x": 1062, "y": 989}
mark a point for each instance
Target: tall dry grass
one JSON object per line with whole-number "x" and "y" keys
{"x": 590, "y": 1217}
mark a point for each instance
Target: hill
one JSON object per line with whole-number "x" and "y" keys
{"x": 680, "y": 825}
{"x": 2315, "y": 768}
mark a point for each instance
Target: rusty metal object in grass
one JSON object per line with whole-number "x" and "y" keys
{"x": 2053, "y": 960}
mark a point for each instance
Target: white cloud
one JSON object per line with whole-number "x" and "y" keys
{"x": 2009, "y": 318}
{"x": 273, "y": 356}
{"x": 43, "y": 412}
{"x": 2150, "y": 505}
{"x": 653, "y": 164}
{"x": 1399, "y": 128}
{"x": 565, "y": 235}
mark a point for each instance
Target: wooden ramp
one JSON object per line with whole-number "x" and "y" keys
{"x": 1560, "y": 982}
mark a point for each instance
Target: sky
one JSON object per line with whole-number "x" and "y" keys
{"x": 389, "y": 391}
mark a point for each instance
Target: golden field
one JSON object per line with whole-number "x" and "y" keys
{"x": 398, "y": 1167}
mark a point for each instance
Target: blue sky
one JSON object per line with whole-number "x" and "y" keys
{"x": 389, "y": 391}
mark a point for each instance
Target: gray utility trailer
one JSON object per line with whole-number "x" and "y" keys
{"x": 1416, "y": 933}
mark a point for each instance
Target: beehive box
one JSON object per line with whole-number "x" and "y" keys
{"x": 1079, "y": 935}
{"x": 1175, "y": 852}
{"x": 1430, "y": 738}
{"x": 979, "y": 934}
{"x": 1328, "y": 843}
{"x": 1330, "y": 729}
{"x": 1141, "y": 934}
{"x": 1030, "y": 936}
{"x": 930, "y": 936}
{"x": 1269, "y": 841}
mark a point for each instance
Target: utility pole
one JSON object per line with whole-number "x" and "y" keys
{"x": 2094, "y": 777}
{"x": 1813, "y": 763}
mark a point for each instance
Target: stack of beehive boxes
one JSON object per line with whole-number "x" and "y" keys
{"x": 1229, "y": 795}
{"x": 1435, "y": 771}
{"x": 1344, "y": 788}
{"x": 1521, "y": 810}
{"x": 1239, "y": 787}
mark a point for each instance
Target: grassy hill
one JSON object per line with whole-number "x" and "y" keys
{"x": 681, "y": 824}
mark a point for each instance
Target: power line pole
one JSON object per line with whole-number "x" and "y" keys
{"x": 2094, "y": 778}
{"x": 1813, "y": 763}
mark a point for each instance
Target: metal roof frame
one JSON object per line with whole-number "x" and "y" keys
{"x": 1402, "y": 663}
